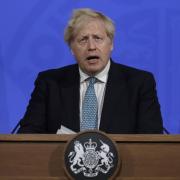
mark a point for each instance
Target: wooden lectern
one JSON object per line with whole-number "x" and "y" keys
{"x": 40, "y": 157}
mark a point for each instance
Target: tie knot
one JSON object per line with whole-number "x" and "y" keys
{"x": 92, "y": 80}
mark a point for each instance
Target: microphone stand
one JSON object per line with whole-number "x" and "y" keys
{"x": 15, "y": 128}
{"x": 165, "y": 131}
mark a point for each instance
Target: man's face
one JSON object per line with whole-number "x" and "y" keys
{"x": 92, "y": 47}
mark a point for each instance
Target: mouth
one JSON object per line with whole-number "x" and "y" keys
{"x": 92, "y": 58}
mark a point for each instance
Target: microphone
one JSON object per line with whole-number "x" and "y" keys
{"x": 165, "y": 131}
{"x": 16, "y": 127}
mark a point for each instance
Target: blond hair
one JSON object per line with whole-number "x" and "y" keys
{"x": 82, "y": 16}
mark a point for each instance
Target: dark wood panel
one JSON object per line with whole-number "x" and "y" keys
{"x": 115, "y": 137}
{"x": 42, "y": 156}
{"x": 64, "y": 178}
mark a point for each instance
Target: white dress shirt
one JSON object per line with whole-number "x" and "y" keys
{"x": 100, "y": 87}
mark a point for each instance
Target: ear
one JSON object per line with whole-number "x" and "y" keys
{"x": 72, "y": 52}
{"x": 112, "y": 46}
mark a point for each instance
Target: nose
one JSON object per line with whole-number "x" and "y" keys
{"x": 91, "y": 45}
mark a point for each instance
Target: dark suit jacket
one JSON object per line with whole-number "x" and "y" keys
{"x": 130, "y": 102}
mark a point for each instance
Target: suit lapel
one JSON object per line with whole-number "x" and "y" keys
{"x": 70, "y": 96}
{"x": 115, "y": 96}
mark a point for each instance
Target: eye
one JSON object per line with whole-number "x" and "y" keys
{"x": 98, "y": 39}
{"x": 83, "y": 40}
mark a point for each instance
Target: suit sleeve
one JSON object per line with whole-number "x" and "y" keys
{"x": 34, "y": 120}
{"x": 149, "y": 115}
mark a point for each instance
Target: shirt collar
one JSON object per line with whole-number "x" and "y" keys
{"x": 102, "y": 76}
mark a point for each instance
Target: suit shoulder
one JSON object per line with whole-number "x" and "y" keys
{"x": 129, "y": 71}
{"x": 65, "y": 71}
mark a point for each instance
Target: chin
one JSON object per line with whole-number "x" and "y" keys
{"x": 93, "y": 71}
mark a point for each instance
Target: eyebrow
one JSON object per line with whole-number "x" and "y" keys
{"x": 93, "y": 35}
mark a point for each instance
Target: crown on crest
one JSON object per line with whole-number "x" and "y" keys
{"x": 89, "y": 145}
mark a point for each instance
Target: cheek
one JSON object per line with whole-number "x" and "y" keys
{"x": 78, "y": 52}
{"x": 106, "y": 53}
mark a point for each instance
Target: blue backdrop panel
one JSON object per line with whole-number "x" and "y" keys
{"x": 31, "y": 40}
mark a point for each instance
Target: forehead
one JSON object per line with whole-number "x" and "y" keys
{"x": 94, "y": 26}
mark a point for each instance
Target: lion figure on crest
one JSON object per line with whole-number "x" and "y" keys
{"x": 76, "y": 156}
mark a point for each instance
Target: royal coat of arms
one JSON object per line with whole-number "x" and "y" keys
{"x": 86, "y": 159}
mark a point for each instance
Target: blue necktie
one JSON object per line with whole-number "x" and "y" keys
{"x": 89, "y": 107}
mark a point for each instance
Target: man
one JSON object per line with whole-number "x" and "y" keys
{"x": 121, "y": 99}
